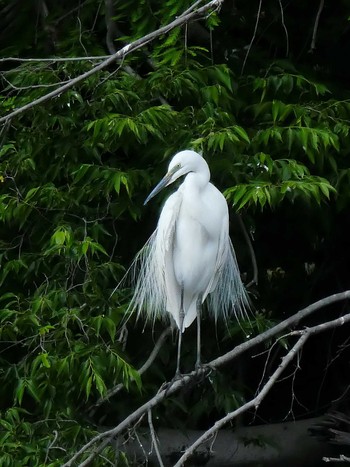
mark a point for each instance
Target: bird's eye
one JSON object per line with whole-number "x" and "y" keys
{"x": 175, "y": 168}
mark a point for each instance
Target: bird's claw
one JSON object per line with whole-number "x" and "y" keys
{"x": 203, "y": 369}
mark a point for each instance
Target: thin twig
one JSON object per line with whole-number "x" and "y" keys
{"x": 54, "y": 59}
{"x": 32, "y": 86}
{"x": 81, "y": 4}
{"x": 141, "y": 370}
{"x": 155, "y": 441}
{"x": 182, "y": 382}
{"x": 251, "y": 251}
{"x": 290, "y": 322}
{"x": 191, "y": 8}
{"x": 252, "y": 404}
{"x": 284, "y": 27}
{"x": 317, "y": 20}
{"x": 127, "y": 49}
{"x": 106, "y": 436}
{"x": 51, "y": 445}
{"x": 256, "y": 401}
{"x": 253, "y": 38}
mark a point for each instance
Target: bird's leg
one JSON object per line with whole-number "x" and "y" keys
{"x": 199, "y": 309}
{"x": 181, "y": 320}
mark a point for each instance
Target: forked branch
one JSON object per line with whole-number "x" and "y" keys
{"x": 256, "y": 401}
{"x": 105, "y": 437}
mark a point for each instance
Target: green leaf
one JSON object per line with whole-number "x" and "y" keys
{"x": 100, "y": 385}
{"x": 45, "y": 360}
{"x": 88, "y": 387}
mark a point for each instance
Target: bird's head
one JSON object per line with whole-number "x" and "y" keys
{"x": 181, "y": 164}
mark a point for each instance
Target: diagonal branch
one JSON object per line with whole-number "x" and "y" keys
{"x": 54, "y": 59}
{"x": 120, "y": 54}
{"x": 287, "y": 323}
{"x": 317, "y": 20}
{"x": 256, "y": 401}
{"x": 252, "y": 404}
{"x": 253, "y": 37}
{"x": 141, "y": 370}
{"x": 105, "y": 437}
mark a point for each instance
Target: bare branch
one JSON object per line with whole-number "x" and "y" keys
{"x": 287, "y": 323}
{"x": 251, "y": 251}
{"x": 51, "y": 445}
{"x": 253, "y": 38}
{"x": 77, "y": 8}
{"x": 54, "y": 59}
{"x": 155, "y": 441}
{"x": 317, "y": 20}
{"x": 254, "y": 403}
{"x": 284, "y": 27}
{"x": 159, "y": 397}
{"x": 110, "y": 26}
{"x": 123, "y": 52}
{"x": 163, "y": 393}
{"x": 111, "y": 34}
{"x": 144, "y": 367}
{"x": 341, "y": 458}
{"x": 191, "y": 8}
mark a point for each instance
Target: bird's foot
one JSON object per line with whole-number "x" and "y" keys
{"x": 203, "y": 369}
{"x": 165, "y": 386}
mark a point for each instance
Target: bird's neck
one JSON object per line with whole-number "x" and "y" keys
{"x": 197, "y": 180}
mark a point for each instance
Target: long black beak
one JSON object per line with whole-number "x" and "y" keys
{"x": 166, "y": 180}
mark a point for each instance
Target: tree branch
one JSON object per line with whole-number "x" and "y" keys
{"x": 251, "y": 251}
{"x": 287, "y": 323}
{"x": 155, "y": 441}
{"x": 123, "y": 52}
{"x": 252, "y": 404}
{"x": 54, "y": 59}
{"x": 284, "y": 27}
{"x": 141, "y": 370}
{"x": 317, "y": 20}
{"x": 111, "y": 34}
{"x": 178, "y": 384}
{"x": 253, "y": 38}
{"x": 256, "y": 401}
{"x": 341, "y": 458}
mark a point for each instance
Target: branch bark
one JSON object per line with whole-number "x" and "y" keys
{"x": 317, "y": 20}
{"x": 120, "y": 54}
{"x": 254, "y": 403}
{"x": 164, "y": 392}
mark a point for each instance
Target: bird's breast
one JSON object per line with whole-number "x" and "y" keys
{"x": 196, "y": 243}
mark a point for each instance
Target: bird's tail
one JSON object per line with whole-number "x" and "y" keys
{"x": 229, "y": 296}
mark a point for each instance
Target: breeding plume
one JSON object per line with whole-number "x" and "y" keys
{"x": 190, "y": 257}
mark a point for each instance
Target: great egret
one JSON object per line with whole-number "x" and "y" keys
{"x": 190, "y": 256}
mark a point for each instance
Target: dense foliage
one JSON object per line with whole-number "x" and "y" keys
{"x": 274, "y": 128}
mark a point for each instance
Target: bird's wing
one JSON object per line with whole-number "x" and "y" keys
{"x": 221, "y": 257}
{"x": 164, "y": 253}
{"x": 166, "y": 227}
{"x": 151, "y": 269}
{"x": 226, "y": 289}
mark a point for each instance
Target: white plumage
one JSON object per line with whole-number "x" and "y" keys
{"x": 190, "y": 254}
{"x": 189, "y": 257}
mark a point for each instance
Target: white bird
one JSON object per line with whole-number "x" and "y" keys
{"x": 190, "y": 256}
